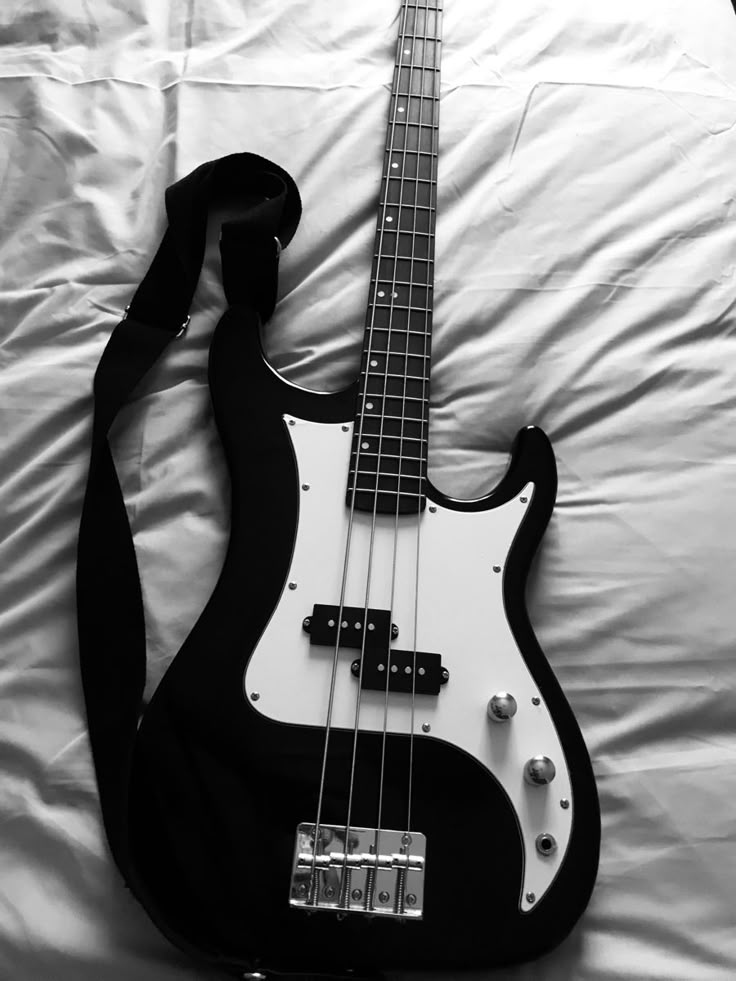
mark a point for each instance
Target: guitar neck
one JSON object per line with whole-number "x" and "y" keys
{"x": 389, "y": 459}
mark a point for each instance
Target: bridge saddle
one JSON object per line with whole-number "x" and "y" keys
{"x": 373, "y": 872}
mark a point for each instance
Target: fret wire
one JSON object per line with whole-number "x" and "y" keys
{"x": 394, "y": 456}
{"x": 387, "y": 415}
{"x": 383, "y": 490}
{"x": 392, "y": 374}
{"x": 398, "y": 306}
{"x": 404, "y": 258}
{"x": 420, "y": 125}
{"x": 382, "y": 474}
{"x": 409, "y": 439}
{"x": 398, "y": 177}
{"x": 412, "y": 207}
{"x": 397, "y": 354}
{"x": 403, "y": 231}
{"x": 419, "y": 153}
{"x": 422, "y": 37}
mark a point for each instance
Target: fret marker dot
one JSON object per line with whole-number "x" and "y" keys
{"x": 374, "y": 363}
{"x": 389, "y": 218}
{"x": 381, "y": 293}
{"x": 395, "y": 166}
{"x": 369, "y": 405}
{"x": 365, "y": 445}
{"x": 407, "y": 51}
{"x": 401, "y": 108}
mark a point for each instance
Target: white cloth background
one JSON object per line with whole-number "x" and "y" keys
{"x": 585, "y": 282}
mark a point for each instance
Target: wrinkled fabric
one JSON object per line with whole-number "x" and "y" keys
{"x": 585, "y": 257}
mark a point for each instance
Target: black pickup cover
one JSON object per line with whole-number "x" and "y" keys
{"x": 421, "y": 674}
{"x": 376, "y": 626}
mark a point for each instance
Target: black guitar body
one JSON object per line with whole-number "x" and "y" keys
{"x": 218, "y": 790}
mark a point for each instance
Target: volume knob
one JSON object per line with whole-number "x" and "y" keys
{"x": 539, "y": 770}
{"x": 502, "y": 707}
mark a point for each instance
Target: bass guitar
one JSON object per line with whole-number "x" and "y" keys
{"x": 406, "y": 784}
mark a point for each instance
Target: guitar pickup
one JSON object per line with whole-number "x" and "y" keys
{"x": 354, "y": 623}
{"x": 411, "y": 672}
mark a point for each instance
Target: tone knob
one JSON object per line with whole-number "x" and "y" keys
{"x": 539, "y": 770}
{"x": 502, "y": 707}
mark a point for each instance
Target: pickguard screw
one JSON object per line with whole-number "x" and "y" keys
{"x": 411, "y": 899}
{"x": 564, "y": 803}
{"x": 394, "y": 630}
{"x": 406, "y": 839}
{"x": 345, "y": 428}
{"x": 497, "y": 568}
{"x": 305, "y": 486}
{"x": 426, "y": 727}
{"x": 383, "y": 896}
{"x": 433, "y": 508}
{"x": 445, "y": 674}
{"x": 307, "y": 623}
{"x": 292, "y": 422}
{"x": 536, "y": 700}
{"x": 530, "y": 897}
{"x": 523, "y": 501}
{"x": 356, "y": 894}
{"x": 254, "y": 696}
{"x": 292, "y": 585}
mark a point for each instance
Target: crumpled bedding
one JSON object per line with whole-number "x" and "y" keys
{"x": 585, "y": 282}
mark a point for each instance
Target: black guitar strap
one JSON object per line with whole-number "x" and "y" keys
{"x": 112, "y": 646}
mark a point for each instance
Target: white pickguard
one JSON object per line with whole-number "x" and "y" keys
{"x": 460, "y": 615}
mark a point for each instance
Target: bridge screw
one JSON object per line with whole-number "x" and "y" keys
{"x": 411, "y": 899}
{"x": 356, "y": 894}
{"x": 383, "y": 896}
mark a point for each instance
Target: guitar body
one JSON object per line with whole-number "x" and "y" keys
{"x": 239, "y": 719}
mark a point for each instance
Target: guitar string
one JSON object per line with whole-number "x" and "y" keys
{"x": 427, "y": 344}
{"x": 353, "y": 491}
{"x": 402, "y": 41}
{"x": 426, "y": 39}
{"x": 313, "y": 897}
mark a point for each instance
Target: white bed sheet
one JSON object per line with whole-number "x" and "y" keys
{"x": 585, "y": 282}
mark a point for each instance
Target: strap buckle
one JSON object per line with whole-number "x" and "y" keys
{"x": 178, "y": 334}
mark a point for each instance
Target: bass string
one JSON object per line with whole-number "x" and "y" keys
{"x": 404, "y": 39}
{"x": 346, "y": 562}
{"x": 424, "y": 425}
{"x": 426, "y": 355}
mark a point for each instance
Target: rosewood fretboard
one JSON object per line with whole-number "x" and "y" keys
{"x": 389, "y": 455}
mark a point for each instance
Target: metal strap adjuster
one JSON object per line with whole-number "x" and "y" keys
{"x": 177, "y": 335}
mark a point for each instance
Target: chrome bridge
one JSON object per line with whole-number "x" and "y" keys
{"x": 379, "y": 873}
